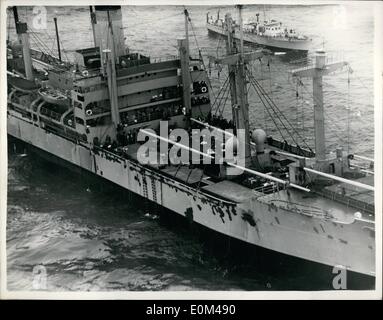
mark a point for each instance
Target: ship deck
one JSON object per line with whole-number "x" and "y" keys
{"x": 311, "y": 204}
{"x": 195, "y": 176}
{"x": 187, "y": 175}
{"x": 350, "y": 191}
{"x": 182, "y": 172}
{"x": 230, "y": 190}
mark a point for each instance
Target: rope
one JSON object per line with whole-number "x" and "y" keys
{"x": 41, "y": 41}
{"x": 263, "y": 93}
{"x": 45, "y": 50}
{"x": 311, "y": 95}
{"x": 222, "y": 98}
{"x": 219, "y": 92}
{"x": 362, "y": 83}
{"x": 330, "y": 121}
{"x": 276, "y": 111}
{"x": 8, "y": 27}
{"x": 348, "y": 113}
{"x": 200, "y": 55}
{"x": 63, "y": 50}
{"x": 266, "y": 108}
{"x": 224, "y": 103}
{"x": 40, "y": 44}
{"x": 156, "y": 20}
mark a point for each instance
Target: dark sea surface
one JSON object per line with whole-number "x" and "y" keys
{"x": 93, "y": 237}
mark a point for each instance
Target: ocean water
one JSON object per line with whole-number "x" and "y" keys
{"x": 86, "y": 236}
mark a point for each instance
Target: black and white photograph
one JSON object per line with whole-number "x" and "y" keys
{"x": 186, "y": 148}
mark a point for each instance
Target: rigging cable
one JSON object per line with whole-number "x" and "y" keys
{"x": 266, "y": 108}
{"x": 222, "y": 98}
{"x": 227, "y": 91}
{"x": 264, "y": 111}
{"x": 315, "y": 100}
{"x": 155, "y": 21}
{"x": 348, "y": 112}
{"x": 260, "y": 89}
{"x": 297, "y": 104}
{"x": 41, "y": 41}
{"x": 328, "y": 118}
{"x": 9, "y": 26}
{"x": 219, "y": 92}
{"x": 40, "y": 44}
{"x": 200, "y": 54}
{"x": 275, "y": 107}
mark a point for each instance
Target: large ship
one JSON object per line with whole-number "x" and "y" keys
{"x": 268, "y": 33}
{"x": 92, "y": 113}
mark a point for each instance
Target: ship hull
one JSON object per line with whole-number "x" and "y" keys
{"x": 268, "y": 42}
{"x": 227, "y": 250}
{"x": 277, "y": 229}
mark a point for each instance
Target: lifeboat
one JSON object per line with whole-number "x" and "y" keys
{"x": 23, "y": 85}
{"x": 53, "y": 96}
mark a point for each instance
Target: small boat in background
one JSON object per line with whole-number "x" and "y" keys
{"x": 270, "y": 34}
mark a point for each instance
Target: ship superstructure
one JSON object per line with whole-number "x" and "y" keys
{"x": 91, "y": 111}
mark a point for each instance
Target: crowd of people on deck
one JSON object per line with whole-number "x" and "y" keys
{"x": 219, "y": 122}
{"x": 125, "y": 136}
{"x": 163, "y": 112}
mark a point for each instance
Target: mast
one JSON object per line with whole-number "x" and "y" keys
{"x": 93, "y": 21}
{"x": 57, "y": 38}
{"x": 111, "y": 73}
{"x": 243, "y": 112}
{"x": 183, "y": 47}
{"x": 238, "y": 85}
{"x": 264, "y": 13}
{"x": 229, "y": 51}
{"x": 21, "y": 30}
{"x": 320, "y": 142}
{"x": 317, "y": 72}
{"x": 16, "y": 18}
{"x": 15, "y": 15}
{"x": 185, "y": 75}
{"x": 187, "y": 32}
{"x": 239, "y": 6}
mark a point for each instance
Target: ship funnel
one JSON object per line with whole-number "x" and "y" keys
{"x": 104, "y": 15}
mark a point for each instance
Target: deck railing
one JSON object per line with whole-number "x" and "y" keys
{"x": 350, "y": 202}
{"x": 52, "y": 114}
{"x": 289, "y": 148}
